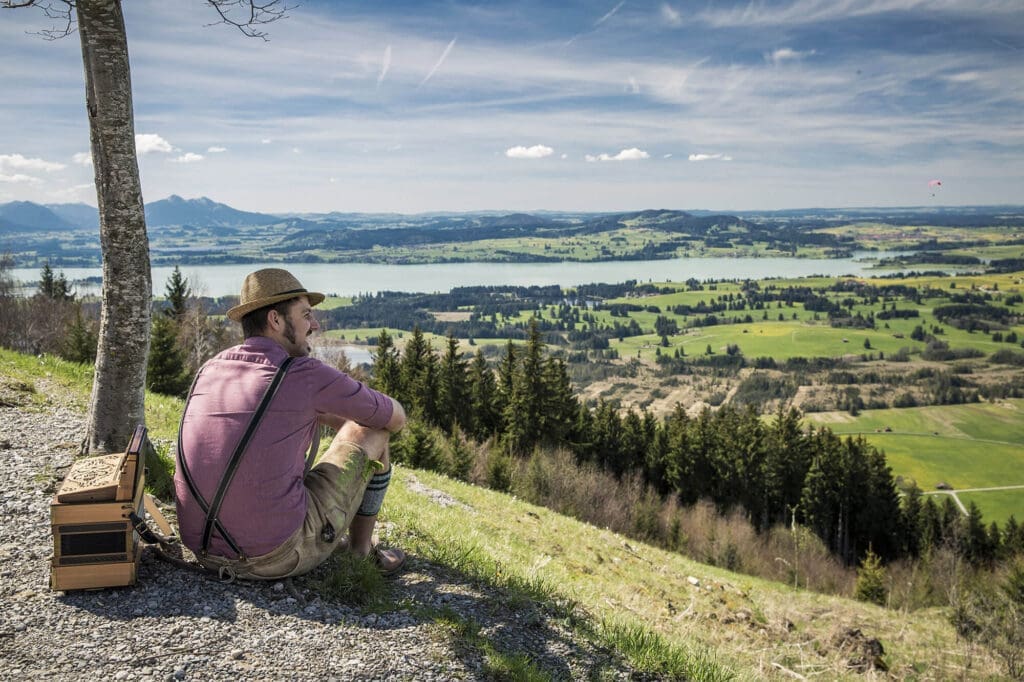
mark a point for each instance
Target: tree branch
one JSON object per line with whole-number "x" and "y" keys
{"x": 60, "y": 10}
{"x": 254, "y": 13}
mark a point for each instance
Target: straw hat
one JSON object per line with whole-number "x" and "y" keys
{"x": 267, "y": 287}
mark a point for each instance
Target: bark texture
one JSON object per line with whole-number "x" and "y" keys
{"x": 118, "y": 391}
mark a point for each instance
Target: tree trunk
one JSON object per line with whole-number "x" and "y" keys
{"x": 118, "y": 390}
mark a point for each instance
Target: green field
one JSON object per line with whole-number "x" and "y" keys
{"x": 965, "y": 446}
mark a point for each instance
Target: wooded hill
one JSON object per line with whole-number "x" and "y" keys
{"x": 202, "y": 231}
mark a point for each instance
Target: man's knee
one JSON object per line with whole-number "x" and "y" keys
{"x": 374, "y": 442}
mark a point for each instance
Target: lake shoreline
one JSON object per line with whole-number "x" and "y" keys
{"x": 350, "y": 279}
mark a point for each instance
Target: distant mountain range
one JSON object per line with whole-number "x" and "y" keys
{"x": 25, "y": 216}
{"x": 202, "y": 212}
{"x": 175, "y": 211}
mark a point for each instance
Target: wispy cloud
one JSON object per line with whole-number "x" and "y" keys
{"x": 216, "y": 150}
{"x": 147, "y": 143}
{"x": 537, "y": 151}
{"x": 610, "y": 13}
{"x": 385, "y": 66}
{"x": 788, "y": 54}
{"x": 188, "y": 157}
{"x": 802, "y": 12}
{"x": 19, "y": 162}
{"x": 631, "y": 154}
{"x": 440, "y": 61}
{"x": 82, "y": 158}
{"x": 710, "y": 157}
{"x": 671, "y": 15}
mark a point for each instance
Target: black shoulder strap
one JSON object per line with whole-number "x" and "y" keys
{"x": 213, "y": 509}
{"x": 187, "y": 475}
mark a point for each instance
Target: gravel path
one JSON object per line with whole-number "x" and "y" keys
{"x": 176, "y": 625}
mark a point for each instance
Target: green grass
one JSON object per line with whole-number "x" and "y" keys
{"x": 977, "y": 445}
{"x": 996, "y": 505}
{"x": 639, "y": 600}
{"x": 632, "y": 598}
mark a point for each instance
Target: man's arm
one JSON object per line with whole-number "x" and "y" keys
{"x": 397, "y": 421}
{"x": 394, "y": 425}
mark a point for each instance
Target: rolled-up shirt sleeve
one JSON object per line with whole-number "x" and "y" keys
{"x": 334, "y": 392}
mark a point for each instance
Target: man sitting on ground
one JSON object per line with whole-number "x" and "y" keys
{"x": 249, "y": 502}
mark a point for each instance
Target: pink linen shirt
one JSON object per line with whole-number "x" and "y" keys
{"x": 266, "y": 501}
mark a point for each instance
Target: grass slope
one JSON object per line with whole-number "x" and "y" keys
{"x": 670, "y": 615}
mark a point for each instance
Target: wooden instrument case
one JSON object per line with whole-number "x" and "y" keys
{"x": 94, "y": 541}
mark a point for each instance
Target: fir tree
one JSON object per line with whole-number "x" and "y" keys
{"x": 165, "y": 370}
{"x": 506, "y": 379}
{"x": 870, "y": 585}
{"x": 559, "y": 403}
{"x": 523, "y": 420}
{"x": 482, "y": 398}
{"x": 460, "y": 456}
{"x": 177, "y": 293}
{"x": 54, "y": 287}
{"x": 386, "y": 375}
{"x": 453, "y": 406}
{"x": 81, "y": 340}
{"x": 418, "y": 371}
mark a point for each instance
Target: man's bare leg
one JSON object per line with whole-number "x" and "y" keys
{"x": 374, "y": 443}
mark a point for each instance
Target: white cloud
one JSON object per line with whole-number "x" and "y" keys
{"x": 385, "y": 65}
{"x": 19, "y": 178}
{"x": 634, "y": 86}
{"x": 670, "y": 15}
{"x": 631, "y": 154}
{"x": 216, "y": 150}
{"x": 444, "y": 56}
{"x": 296, "y": 150}
{"x": 964, "y": 77}
{"x": 537, "y": 151}
{"x": 710, "y": 157}
{"x": 74, "y": 193}
{"x": 784, "y": 54}
{"x": 19, "y": 162}
{"x": 82, "y": 158}
{"x": 150, "y": 142}
{"x": 667, "y": 156}
{"x": 266, "y": 140}
{"x": 188, "y": 157}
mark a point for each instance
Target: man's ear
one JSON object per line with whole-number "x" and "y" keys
{"x": 274, "y": 320}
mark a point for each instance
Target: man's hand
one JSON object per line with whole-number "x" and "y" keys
{"x": 397, "y": 422}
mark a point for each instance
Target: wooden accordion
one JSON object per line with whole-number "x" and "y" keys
{"x": 95, "y": 543}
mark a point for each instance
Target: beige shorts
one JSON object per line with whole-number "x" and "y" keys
{"x": 334, "y": 491}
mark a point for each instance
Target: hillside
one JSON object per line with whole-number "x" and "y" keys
{"x": 491, "y": 579}
{"x": 204, "y": 231}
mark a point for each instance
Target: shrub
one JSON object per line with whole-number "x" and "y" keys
{"x": 870, "y": 585}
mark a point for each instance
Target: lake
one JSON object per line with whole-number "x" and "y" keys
{"x": 348, "y": 279}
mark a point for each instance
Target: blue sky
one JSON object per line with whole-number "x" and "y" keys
{"x": 604, "y": 106}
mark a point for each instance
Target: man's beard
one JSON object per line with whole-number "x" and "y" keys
{"x": 289, "y": 333}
